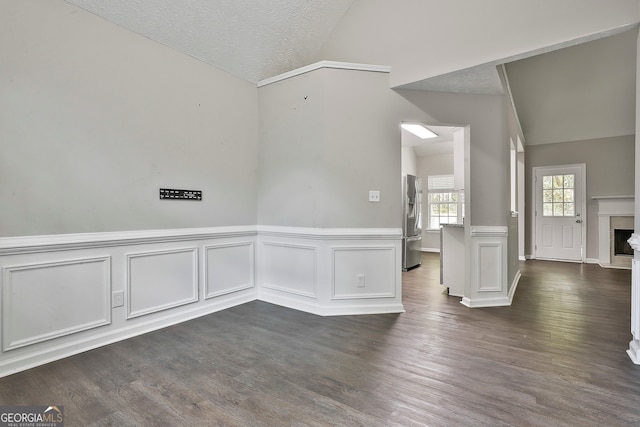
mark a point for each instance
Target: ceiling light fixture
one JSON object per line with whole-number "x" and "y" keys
{"x": 419, "y": 130}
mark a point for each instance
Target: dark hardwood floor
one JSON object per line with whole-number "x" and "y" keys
{"x": 556, "y": 357}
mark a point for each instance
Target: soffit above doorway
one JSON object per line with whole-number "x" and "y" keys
{"x": 483, "y": 79}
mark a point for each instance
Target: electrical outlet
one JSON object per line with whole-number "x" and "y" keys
{"x": 360, "y": 280}
{"x": 374, "y": 196}
{"x": 117, "y": 299}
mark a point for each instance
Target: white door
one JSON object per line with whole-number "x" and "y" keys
{"x": 559, "y": 212}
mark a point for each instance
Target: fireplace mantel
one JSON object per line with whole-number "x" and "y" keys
{"x": 610, "y": 206}
{"x": 615, "y": 205}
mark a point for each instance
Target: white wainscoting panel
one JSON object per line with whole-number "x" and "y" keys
{"x": 292, "y": 259}
{"x": 291, "y": 268}
{"x": 489, "y": 266}
{"x": 50, "y": 300}
{"x": 160, "y": 272}
{"x": 228, "y": 268}
{"x": 363, "y": 272}
{"x": 160, "y": 280}
{"x": 56, "y": 291}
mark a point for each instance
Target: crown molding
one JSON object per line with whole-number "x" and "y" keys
{"x": 325, "y": 64}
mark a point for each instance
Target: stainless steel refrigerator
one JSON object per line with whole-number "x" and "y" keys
{"x": 411, "y": 228}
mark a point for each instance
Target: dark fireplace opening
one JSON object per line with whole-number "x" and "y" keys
{"x": 620, "y": 244}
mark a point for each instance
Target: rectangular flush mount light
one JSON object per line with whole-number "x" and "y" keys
{"x": 419, "y": 130}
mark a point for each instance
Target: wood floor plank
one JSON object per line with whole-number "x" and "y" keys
{"x": 556, "y": 357}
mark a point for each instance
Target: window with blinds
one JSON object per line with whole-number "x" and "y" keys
{"x": 445, "y": 205}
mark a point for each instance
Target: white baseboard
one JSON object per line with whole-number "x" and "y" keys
{"x": 634, "y": 351}
{"x": 486, "y": 302}
{"x": 514, "y": 286}
{"x": 616, "y": 267}
{"x": 592, "y": 261}
{"x": 342, "y": 310}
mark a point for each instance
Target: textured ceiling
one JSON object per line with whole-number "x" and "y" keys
{"x": 251, "y": 39}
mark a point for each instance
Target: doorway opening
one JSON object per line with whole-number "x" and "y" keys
{"x": 439, "y": 163}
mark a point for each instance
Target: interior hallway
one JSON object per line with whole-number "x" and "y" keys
{"x": 555, "y": 357}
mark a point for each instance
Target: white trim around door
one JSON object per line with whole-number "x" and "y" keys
{"x": 580, "y": 217}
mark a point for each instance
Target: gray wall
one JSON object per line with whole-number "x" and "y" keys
{"x": 487, "y": 160}
{"x": 409, "y": 161}
{"x": 637, "y": 139}
{"x": 440, "y": 164}
{"x": 290, "y": 179}
{"x": 515, "y": 224}
{"x": 586, "y": 91}
{"x": 95, "y": 119}
{"x": 327, "y": 138}
{"x": 610, "y": 172}
{"x": 362, "y": 150}
{"x": 320, "y": 155}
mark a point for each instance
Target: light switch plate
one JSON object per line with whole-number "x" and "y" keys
{"x": 374, "y": 195}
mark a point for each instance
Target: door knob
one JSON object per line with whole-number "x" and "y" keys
{"x": 579, "y": 221}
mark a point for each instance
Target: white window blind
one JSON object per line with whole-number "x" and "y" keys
{"x": 440, "y": 182}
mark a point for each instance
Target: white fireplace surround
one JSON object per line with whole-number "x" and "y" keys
{"x": 610, "y": 206}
